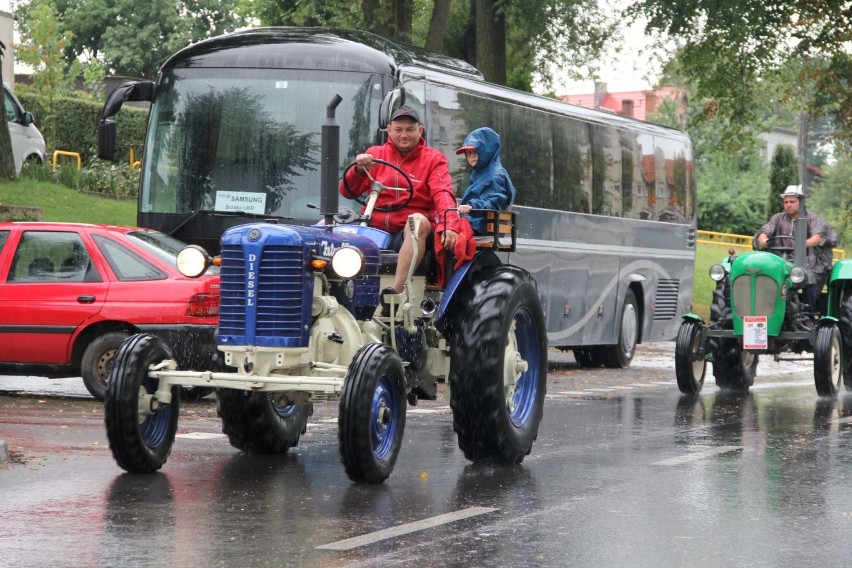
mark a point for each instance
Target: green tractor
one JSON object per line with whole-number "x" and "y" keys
{"x": 758, "y": 309}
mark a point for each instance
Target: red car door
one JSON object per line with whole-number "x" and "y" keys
{"x": 50, "y": 284}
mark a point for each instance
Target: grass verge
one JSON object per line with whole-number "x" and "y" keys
{"x": 59, "y": 203}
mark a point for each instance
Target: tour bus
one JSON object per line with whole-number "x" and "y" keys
{"x": 605, "y": 204}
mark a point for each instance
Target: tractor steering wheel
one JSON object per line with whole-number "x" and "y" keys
{"x": 377, "y": 185}
{"x": 778, "y": 249}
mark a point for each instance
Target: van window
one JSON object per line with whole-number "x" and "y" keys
{"x": 13, "y": 111}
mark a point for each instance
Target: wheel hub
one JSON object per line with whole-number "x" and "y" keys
{"x": 514, "y": 365}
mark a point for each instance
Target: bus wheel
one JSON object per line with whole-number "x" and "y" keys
{"x": 690, "y": 363}
{"x": 140, "y": 436}
{"x": 620, "y": 355}
{"x": 254, "y": 422}
{"x": 371, "y": 419}
{"x": 498, "y": 370}
{"x": 827, "y": 358}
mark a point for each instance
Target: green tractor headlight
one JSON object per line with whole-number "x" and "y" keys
{"x": 798, "y": 275}
{"x": 718, "y": 272}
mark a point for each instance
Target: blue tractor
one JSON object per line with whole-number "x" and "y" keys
{"x": 302, "y": 320}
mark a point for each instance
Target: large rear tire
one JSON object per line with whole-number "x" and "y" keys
{"x": 254, "y": 422}
{"x": 846, "y": 331}
{"x": 690, "y": 362}
{"x": 827, "y": 360}
{"x": 498, "y": 369}
{"x": 371, "y": 420}
{"x": 140, "y": 438}
{"x": 620, "y": 355}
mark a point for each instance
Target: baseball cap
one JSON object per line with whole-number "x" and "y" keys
{"x": 405, "y": 111}
{"x": 793, "y": 190}
{"x": 464, "y": 149}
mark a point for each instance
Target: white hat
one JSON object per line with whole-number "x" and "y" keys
{"x": 793, "y": 190}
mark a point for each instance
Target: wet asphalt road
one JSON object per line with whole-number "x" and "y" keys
{"x": 625, "y": 472}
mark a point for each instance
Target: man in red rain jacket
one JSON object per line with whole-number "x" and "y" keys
{"x": 433, "y": 191}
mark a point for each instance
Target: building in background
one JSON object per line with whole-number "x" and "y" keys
{"x": 634, "y": 104}
{"x": 7, "y": 25}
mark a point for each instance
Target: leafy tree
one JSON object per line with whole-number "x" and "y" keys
{"x": 43, "y": 39}
{"x": 731, "y": 180}
{"x": 831, "y": 199}
{"x": 128, "y": 40}
{"x": 7, "y": 161}
{"x": 783, "y": 171}
{"x": 733, "y": 50}
{"x": 510, "y": 41}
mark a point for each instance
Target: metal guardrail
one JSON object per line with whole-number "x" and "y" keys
{"x": 76, "y": 155}
{"x": 741, "y": 242}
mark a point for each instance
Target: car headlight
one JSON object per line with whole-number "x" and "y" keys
{"x": 718, "y": 272}
{"x": 193, "y": 261}
{"x": 798, "y": 275}
{"x": 347, "y": 262}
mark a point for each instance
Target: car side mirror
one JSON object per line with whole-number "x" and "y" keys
{"x": 27, "y": 118}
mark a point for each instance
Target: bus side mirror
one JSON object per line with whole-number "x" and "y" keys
{"x": 130, "y": 91}
{"x": 106, "y": 140}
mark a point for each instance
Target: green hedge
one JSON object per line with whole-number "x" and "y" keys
{"x": 76, "y": 126}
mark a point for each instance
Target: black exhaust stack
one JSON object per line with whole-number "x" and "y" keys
{"x": 330, "y": 163}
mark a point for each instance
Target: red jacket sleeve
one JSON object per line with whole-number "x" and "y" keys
{"x": 358, "y": 182}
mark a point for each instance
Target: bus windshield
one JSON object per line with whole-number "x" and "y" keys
{"x": 247, "y": 140}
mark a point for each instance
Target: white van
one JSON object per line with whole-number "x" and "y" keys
{"x": 27, "y": 141}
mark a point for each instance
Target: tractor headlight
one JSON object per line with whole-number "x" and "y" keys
{"x": 798, "y": 275}
{"x": 347, "y": 262}
{"x": 718, "y": 272}
{"x": 193, "y": 261}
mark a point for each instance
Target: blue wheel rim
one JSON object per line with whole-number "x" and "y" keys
{"x": 384, "y": 417}
{"x": 154, "y": 429}
{"x": 284, "y": 411}
{"x": 526, "y": 387}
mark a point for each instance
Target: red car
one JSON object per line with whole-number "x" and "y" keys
{"x": 71, "y": 293}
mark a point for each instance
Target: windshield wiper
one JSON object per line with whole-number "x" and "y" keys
{"x": 214, "y": 213}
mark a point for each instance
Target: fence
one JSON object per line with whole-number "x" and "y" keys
{"x": 740, "y": 242}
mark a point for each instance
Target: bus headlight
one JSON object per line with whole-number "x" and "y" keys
{"x": 347, "y": 262}
{"x": 798, "y": 275}
{"x": 718, "y": 272}
{"x": 193, "y": 261}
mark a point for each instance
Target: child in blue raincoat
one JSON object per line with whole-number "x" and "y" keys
{"x": 490, "y": 186}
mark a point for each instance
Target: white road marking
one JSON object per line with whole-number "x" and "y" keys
{"x": 846, "y": 420}
{"x": 698, "y": 455}
{"x": 428, "y": 410}
{"x": 370, "y": 538}
{"x": 201, "y": 435}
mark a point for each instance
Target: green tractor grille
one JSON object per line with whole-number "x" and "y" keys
{"x": 761, "y": 302}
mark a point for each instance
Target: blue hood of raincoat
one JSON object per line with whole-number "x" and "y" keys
{"x": 490, "y": 186}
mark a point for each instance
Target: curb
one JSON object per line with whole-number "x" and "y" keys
{"x": 4, "y": 452}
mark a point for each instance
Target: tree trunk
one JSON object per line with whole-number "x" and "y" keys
{"x": 391, "y": 19}
{"x": 377, "y": 22}
{"x": 404, "y": 15}
{"x": 491, "y": 41}
{"x": 7, "y": 161}
{"x": 438, "y": 26}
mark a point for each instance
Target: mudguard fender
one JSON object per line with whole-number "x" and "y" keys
{"x": 689, "y": 316}
{"x": 460, "y": 279}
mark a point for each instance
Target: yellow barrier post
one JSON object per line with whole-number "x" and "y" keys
{"x": 58, "y": 153}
